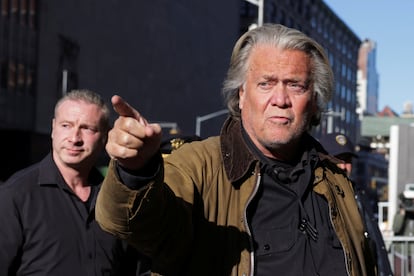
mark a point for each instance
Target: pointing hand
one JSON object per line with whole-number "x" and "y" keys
{"x": 132, "y": 140}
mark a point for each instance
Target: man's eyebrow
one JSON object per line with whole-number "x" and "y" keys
{"x": 269, "y": 77}
{"x": 292, "y": 79}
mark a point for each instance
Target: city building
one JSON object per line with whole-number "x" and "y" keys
{"x": 368, "y": 79}
{"x": 384, "y": 155}
{"x": 18, "y": 78}
{"x": 168, "y": 58}
{"x": 407, "y": 110}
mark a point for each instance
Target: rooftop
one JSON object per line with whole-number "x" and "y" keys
{"x": 372, "y": 126}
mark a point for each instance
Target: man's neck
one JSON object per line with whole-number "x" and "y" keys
{"x": 76, "y": 180}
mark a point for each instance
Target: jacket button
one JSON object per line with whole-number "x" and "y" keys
{"x": 266, "y": 247}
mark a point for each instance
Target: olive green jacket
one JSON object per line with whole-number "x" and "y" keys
{"x": 196, "y": 223}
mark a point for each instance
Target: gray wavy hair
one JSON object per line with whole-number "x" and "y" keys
{"x": 284, "y": 38}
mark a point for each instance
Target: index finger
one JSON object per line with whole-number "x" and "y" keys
{"x": 124, "y": 109}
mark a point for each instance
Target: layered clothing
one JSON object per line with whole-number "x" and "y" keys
{"x": 193, "y": 217}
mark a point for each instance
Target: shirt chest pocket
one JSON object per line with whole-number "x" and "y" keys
{"x": 275, "y": 240}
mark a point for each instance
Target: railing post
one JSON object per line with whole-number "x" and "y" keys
{"x": 200, "y": 119}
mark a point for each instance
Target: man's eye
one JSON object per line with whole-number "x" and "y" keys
{"x": 265, "y": 85}
{"x": 296, "y": 87}
{"x": 90, "y": 130}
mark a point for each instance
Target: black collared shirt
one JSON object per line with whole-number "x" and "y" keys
{"x": 45, "y": 229}
{"x": 290, "y": 223}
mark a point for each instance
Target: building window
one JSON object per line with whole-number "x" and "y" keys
{"x": 14, "y": 6}
{"x": 32, "y": 14}
{"x": 21, "y": 76}
{"x": 4, "y": 7}
{"x": 30, "y": 80}
{"x": 3, "y": 74}
{"x": 23, "y": 12}
{"x": 11, "y": 76}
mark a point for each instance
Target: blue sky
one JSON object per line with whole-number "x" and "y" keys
{"x": 391, "y": 25}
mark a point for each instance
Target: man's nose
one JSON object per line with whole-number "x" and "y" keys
{"x": 76, "y": 135}
{"x": 280, "y": 95}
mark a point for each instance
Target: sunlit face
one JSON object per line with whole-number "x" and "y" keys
{"x": 346, "y": 164}
{"x": 277, "y": 101}
{"x": 77, "y": 135}
{"x": 347, "y": 167}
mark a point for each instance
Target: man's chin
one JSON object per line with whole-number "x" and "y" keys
{"x": 275, "y": 140}
{"x": 73, "y": 159}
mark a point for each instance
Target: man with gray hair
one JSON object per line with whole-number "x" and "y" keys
{"x": 263, "y": 198}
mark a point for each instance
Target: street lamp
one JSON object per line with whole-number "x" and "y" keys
{"x": 330, "y": 114}
{"x": 260, "y": 6}
{"x": 200, "y": 119}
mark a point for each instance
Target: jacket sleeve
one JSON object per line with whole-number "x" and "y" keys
{"x": 115, "y": 204}
{"x": 153, "y": 219}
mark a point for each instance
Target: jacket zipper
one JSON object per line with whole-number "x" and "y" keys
{"x": 252, "y": 195}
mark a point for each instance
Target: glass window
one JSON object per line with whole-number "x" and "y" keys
{"x": 32, "y": 14}
{"x": 21, "y": 75}
{"x": 30, "y": 79}
{"x": 11, "y": 76}
{"x": 23, "y": 12}
{"x": 4, "y": 7}
{"x": 3, "y": 74}
{"x": 14, "y": 6}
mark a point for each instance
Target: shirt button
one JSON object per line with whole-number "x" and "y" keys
{"x": 266, "y": 247}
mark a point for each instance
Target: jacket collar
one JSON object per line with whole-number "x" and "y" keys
{"x": 239, "y": 160}
{"x": 237, "y": 157}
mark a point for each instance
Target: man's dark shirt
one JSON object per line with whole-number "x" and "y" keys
{"x": 290, "y": 224}
{"x": 45, "y": 229}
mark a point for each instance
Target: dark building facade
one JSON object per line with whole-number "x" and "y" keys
{"x": 167, "y": 58}
{"x": 18, "y": 72}
{"x": 18, "y": 62}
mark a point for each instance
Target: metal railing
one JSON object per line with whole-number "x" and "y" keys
{"x": 400, "y": 254}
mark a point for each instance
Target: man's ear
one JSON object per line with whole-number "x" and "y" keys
{"x": 53, "y": 126}
{"x": 242, "y": 94}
